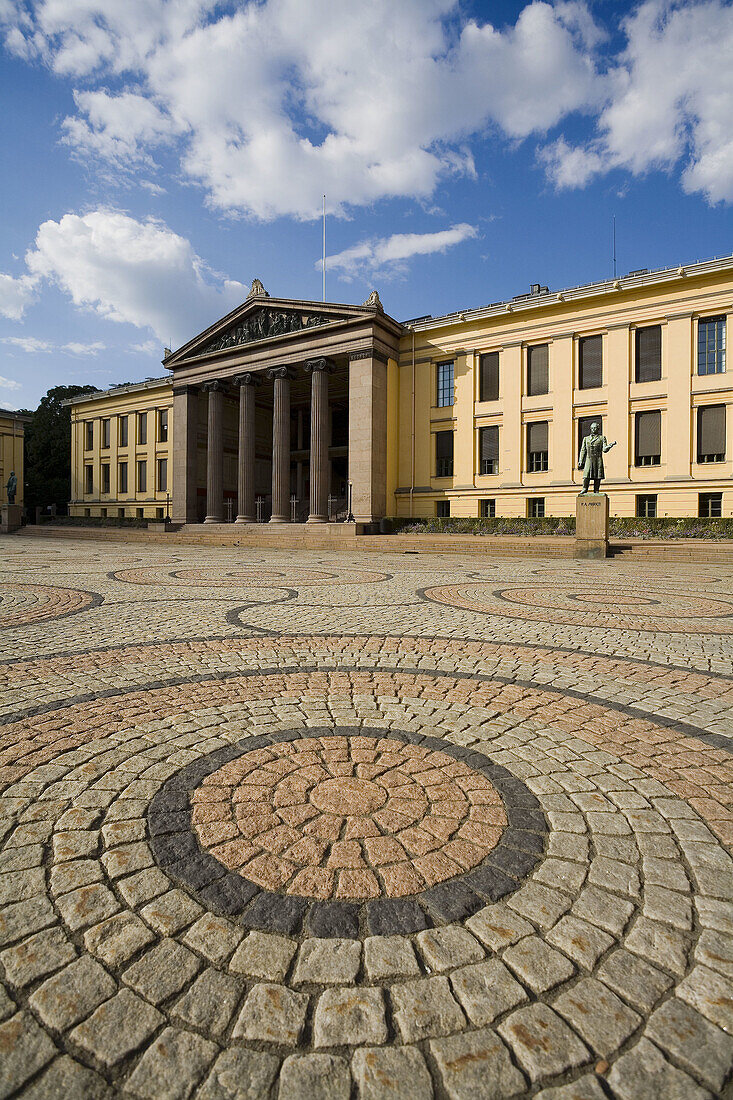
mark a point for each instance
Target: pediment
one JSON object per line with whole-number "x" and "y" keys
{"x": 265, "y": 319}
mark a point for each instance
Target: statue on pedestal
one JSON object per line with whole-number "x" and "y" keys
{"x": 11, "y": 487}
{"x": 592, "y": 450}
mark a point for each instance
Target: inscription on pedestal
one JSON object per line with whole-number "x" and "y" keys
{"x": 591, "y": 526}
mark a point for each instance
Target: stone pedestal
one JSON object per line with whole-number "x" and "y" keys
{"x": 11, "y": 517}
{"x": 591, "y": 526}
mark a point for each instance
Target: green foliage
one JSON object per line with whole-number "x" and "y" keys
{"x": 48, "y": 449}
{"x": 620, "y": 527}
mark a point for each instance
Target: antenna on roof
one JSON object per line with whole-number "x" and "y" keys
{"x": 614, "y": 246}
{"x": 323, "y": 265}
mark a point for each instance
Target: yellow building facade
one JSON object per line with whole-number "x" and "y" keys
{"x": 478, "y": 413}
{"x": 12, "y": 427}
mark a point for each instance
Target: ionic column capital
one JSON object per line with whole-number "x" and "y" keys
{"x": 247, "y": 379}
{"x": 215, "y": 386}
{"x": 321, "y": 364}
{"x": 280, "y": 372}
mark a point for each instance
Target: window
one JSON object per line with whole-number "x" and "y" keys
{"x": 487, "y": 509}
{"x": 444, "y": 385}
{"x": 646, "y": 506}
{"x": 88, "y": 435}
{"x": 142, "y": 428}
{"x": 88, "y": 479}
{"x": 711, "y": 433}
{"x": 122, "y": 477}
{"x": 162, "y": 475}
{"x": 105, "y": 477}
{"x": 538, "y": 374}
{"x": 122, "y": 431}
{"x": 162, "y": 425}
{"x": 710, "y": 505}
{"x": 535, "y": 507}
{"x": 442, "y": 509}
{"x": 88, "y": 513}
{"x": 103, "y": 513}
{"x": 105, "y": 432}
{"x": 489, "y": 450}
{"x": 489, "y": 377}
{"x": 140, "y": 512}
{"x": 121, "y": 513}
{"x": 142, "y": 477}
{"x": 444, "y": 454}
{"x": 159, "y": 513}
{"x": 537, "y": 452}
{"x": 711, "y": 345}
{"x": 648, "y": 354}
{"x": 648, "y": 439}
{"x": 590, "y": 362}
{"x": 584, "y": 423}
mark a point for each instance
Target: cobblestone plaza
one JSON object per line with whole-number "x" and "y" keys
{"x": 304, "y": 826}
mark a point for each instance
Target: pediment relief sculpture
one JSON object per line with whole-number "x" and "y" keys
{"x": 263, "y": 324}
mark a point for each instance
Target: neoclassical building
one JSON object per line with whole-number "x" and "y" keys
{"x": 297, "y": 411}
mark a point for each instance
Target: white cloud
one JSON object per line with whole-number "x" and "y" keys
{"x": 670, "y": 102}
{"x": 75, "y": 348}
{"x": 273, "y": 103}
{"x": 388, "y": 255}
{"x": 9, "y": 384}
{"x": 147, "y": 347}
{"x": 16, "y": 295}
{"x": 33, "y": 346}
{"x": 141, "y": 273}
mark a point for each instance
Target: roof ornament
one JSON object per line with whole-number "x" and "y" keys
{"x": 257, "y": 290}
{"x": 373, "y": 301}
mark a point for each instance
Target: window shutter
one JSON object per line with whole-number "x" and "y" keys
{"x": 649, "y": 354}
{"x": 537, "y": 436}
{"x": 489, "y": 380}
{"x": 538, "y": 375}
{"x": 711, "y": 430}
{"x": 490, "y": 444}
{"x": 648, "y": 434}
{"x": 444, "y": 444}
{"x": 591, "y": 362}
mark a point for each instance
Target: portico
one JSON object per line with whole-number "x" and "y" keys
{"x": 280, "y": 406}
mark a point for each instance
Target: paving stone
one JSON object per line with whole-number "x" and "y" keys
{"x": 498, "y": 926}
{"x": 598, "y": 1015}
{"x": 539, "y": 966}
{"x": 327, "y": 962}
{"x": 273, "y": 1014}
{"x": 637, "y": 981}
{"x": 214, "y": 937}
{"x": 476, "y": 1064}
{"x": 580, "y": 940}
{"x": 715, "y": 950}
{"x": 486, "y": 990}
{"x": 645, "y": 1074}
{"x": 70, "y": 876}
{"x": 445, "y": 948}
{"x": 86, "y": 906}
{"x": 37, "y": 956}
{"x": 262, "y": 955}
{"x": 210, "y": 1003}
{"x": 66, "y": 1078}
{"x": 117, "y": 1028}
{"x": 143, "y": 885}
{"x": 541, "y": 904}
{"x": 171, "y": 912}
{"x": 162, "y": 971}
{"x": 317, "y": 1076}
{"x": 698, "y": 1046}
{"x": 425, "y": 1009}
{"x": 659, "y": 944}
{"x": 389, "y": 957}
{"x": 19, "y": 920}
{"x": 383, "y": 1073}
{"x": 585, "y": 1088}
{"x": 603, "y": 909}
{"x": 349, "y": 1016}
{"x": 542, "y": 1043}
{"x": 25, "y": 1048}
{"x": 668, "y": 907}
{"x": 710, "y": 993}
{"x": 7, "y": 1006}
{"x": 171, "y": 1066}
{"x": 613, "y": 874}
{"x": 74, "y": 993}
{"x": 240, "y": 1074}
{"x": 118, "y": 938}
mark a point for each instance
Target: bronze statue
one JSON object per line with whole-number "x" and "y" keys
{"x": 11, "y": 487}
{"x": 593, "y": 448}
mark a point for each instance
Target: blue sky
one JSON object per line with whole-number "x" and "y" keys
{"x": 159, "y": 154}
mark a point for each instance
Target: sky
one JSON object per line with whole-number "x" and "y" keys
{"x": 160, "y": 154}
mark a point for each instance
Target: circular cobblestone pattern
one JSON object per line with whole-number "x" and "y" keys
{"x": 21, "y": 604}
{"x": 237, "y": 578}
{"x": 607, "y": 606}
{"x": 344, "y": 849}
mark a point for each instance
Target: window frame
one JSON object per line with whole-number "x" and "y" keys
{"x": 123, "y": 430}
{"x": 646, "y": 460}
{"x": 88, "y": 479}
{"x": 158, "y": 465}
{"x": 88, "y": 435}
{"x": 705, "y": 458}
{"x": 442, "y": 509}
{"x": 481, "y": 389}
{"x": 718, "y": 352}
{"x": 645, "y": 514}
{"x": 710, "y": 499}
{"x": 537, "y": 503}
{"x": 538, "y": 462}
{"x": 487, "y": 428}
{"x": 531, "y": 391}
{"x": 141, "y": 468}
{"x": 163, "y": 425}
{"x": 443, "y": 388}
{"x": 105, "y": 478}
{"x": 637, "y": 336}
{"x": 487, "y": 508}
{"x": 142, "y": 429}
{"x": 582, "y": 340}
{"x": 122, "y": 479}
{"x": 449, "y": 461}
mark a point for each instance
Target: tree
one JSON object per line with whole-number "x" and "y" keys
{"x": 48, "y": 449}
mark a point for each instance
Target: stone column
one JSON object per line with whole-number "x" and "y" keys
{"x": 246, "y": 459}
{"x": 185, "y": 431}
{"x": 368, "y": 434}
{"x": 280, "y": 445}
{"x": 215, "y": 454}
{"x": 320, "y": 433}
